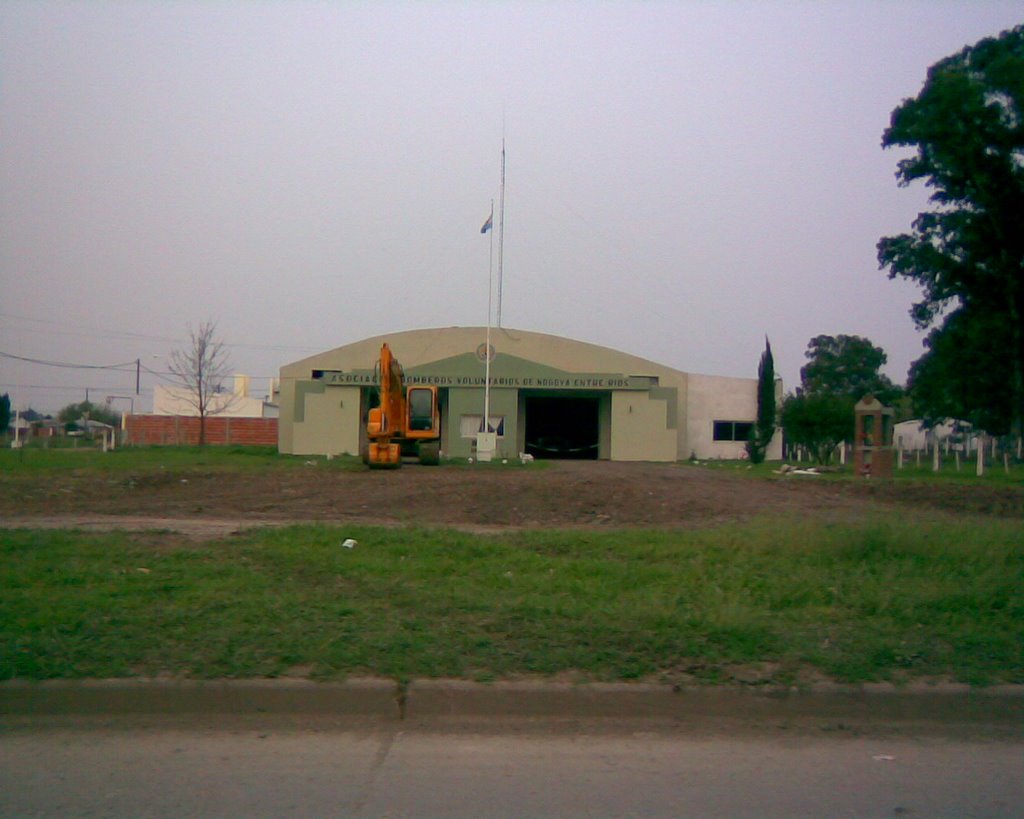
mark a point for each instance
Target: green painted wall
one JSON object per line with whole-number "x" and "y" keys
{"x": 470, "y": 401}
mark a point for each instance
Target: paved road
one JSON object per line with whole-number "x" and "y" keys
{"x": 280, "y": 765}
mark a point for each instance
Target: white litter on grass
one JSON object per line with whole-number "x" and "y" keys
{"x": 883, "y": 758}
{"x": 787, "y": 469}
{"x": 349, "y": 543}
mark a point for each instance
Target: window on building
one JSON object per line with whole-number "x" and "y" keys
{"x": 470, "y": 425}
{"x": 732, "y": 430}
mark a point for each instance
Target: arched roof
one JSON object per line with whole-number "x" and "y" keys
{"x": 417, "y": 347}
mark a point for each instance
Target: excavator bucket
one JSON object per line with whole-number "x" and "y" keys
{"x": 384, "y": 456}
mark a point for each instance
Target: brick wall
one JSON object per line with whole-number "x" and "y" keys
{"x": 157, "y": 430}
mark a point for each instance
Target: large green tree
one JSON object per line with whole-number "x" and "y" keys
{"x": 958, "y": 366}
{"x": 966, "y": 129}
{"x": 818, "y": 423}
{"x": 840, "y": 370}
{"x": 846, "y": 367}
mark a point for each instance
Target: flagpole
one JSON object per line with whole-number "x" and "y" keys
{"x": 487, "y": 346}
{"x": 501, "y": 229}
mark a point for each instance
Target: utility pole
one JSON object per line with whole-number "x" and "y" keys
{"x": 138, "y": 373}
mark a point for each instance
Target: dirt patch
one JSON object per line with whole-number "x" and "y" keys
{"x": 566, "y": 494}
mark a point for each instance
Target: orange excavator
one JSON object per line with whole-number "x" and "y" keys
{"x": 406, "y": 416}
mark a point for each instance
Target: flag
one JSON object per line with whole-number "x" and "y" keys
{"x": 488, "y": 224}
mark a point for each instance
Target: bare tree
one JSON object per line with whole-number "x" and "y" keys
{"x": 202, "y": 369}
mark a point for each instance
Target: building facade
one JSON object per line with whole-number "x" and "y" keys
{"x": 549, "y": 397}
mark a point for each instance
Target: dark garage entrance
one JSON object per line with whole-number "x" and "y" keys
{"x": 562, "y": 427}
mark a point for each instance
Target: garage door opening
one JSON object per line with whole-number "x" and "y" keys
{"x": 562, "y": 427}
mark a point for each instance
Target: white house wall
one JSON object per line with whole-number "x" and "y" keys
{"x": 179, "y": 401}
{"x": 720, "y": 398}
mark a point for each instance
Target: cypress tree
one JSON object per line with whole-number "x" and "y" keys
{"x": 761, "y": 433}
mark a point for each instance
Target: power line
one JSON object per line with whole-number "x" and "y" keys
{"x": 167, "y": 376}
{"x": 95, "y": 332}
{"x": 119, "y": 367}
{"x": 89, "y": 332}
{"x": 86, "y": 329}
{"x": 7, "y": 385}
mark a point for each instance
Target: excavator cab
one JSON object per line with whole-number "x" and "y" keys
{"x": 422, "y": 404}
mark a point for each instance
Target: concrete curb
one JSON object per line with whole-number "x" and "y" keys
{"x": 364, "y": 697}
{"x": 433, "y": 700}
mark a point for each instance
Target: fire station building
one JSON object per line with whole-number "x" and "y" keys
{"x": 550, "y": 397}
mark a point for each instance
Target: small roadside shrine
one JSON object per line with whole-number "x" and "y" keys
{"x": 872, "y": 438}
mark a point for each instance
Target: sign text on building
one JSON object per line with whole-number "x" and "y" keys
{"x": 568, "y": 381}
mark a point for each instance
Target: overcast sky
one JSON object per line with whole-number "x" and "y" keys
{"x": 682, "y": 178}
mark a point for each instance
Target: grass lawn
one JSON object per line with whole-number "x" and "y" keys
{"x": 38, "y": 461}
{"x": 890, "y": 598}
{"x": 995, "y": 473}
{"x": 35, "y": 460}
